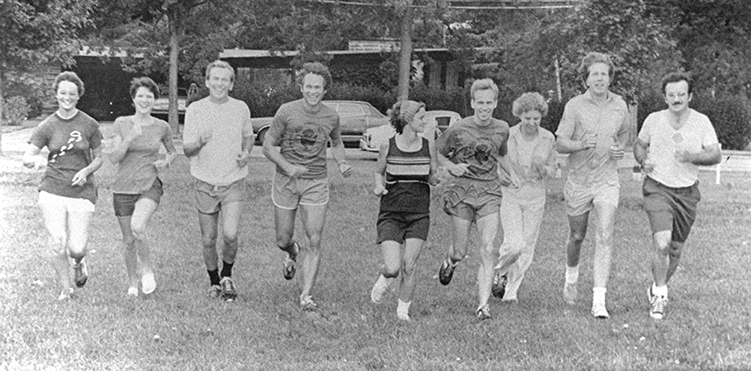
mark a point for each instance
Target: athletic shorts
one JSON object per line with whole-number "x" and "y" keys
{"x": 209, "y": 198}
{"x": 399, "y": 226}
{"x": 287, "y": 192}
{"x": 581, "y": 199}
{"x": 125, "y": 203}
{"x": 472, "y": 199}
{"x": 671, "y": 209}
{"x": 70, "y": 204}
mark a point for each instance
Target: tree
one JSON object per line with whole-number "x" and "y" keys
{"x": 35, "y": 35}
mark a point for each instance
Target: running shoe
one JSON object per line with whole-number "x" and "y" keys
{"x": 81, "y": 273}
{"x": 403, "y": 316}
{"x": 290, "y": 261}
{"x": 215, "y": 291}
{"x": 499, "y": 285}
{"x": 65, "y": 294}
{"x": 380, "y": 288}
{"x": 148, "y": 283}
{"x": 570, "y": 293}
{"x": 228, "y": 289}
{"x": 599, "y": 311}
{"x": 483, "y": 312}
{"x": 307, "y": 304}
{"x": 657, "y": 304}
{"x": 446, "y": 272}
{"x": 133, "y": 291}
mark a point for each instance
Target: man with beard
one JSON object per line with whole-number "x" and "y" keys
{"x": 671, "y": 144}
{"x": 471, "y": 151}
{"x": 296, "y": 143}
{"x": 593, "y": 132}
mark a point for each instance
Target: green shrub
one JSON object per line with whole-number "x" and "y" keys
{"x": 16, "y": 110}
{"x": 731, "y": 118}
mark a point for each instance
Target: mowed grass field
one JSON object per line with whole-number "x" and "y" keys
{"x": 707, "y": 326}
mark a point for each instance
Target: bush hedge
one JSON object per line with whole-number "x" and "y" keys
{"x": 731, "y": 118}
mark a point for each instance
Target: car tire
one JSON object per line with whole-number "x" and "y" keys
{"x": 261, "y": 136}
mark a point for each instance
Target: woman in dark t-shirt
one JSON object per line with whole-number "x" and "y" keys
{"x": 67, "y": 194}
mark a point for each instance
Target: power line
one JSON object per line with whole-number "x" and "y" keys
{"x": 453, "y": 4}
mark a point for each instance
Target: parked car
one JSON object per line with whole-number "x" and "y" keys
{"x": 161, "y": 105}
{"x": 437, "y": 122}
{"x": 355, "y": 118}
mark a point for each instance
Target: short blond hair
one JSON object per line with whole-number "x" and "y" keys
{"x": 483, "y": 84}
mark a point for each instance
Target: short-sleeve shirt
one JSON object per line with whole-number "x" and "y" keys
{"x": 466, "y": 142}
{"x": 229, "y": 123}
{"x": 608, "y": 120}
{"x": 136, "y": 171}
{"x": 696, "y": 134}
{"x": 303, "y": 135}
{"x": 70, "y": 142}
{"x": 521, "y": 152}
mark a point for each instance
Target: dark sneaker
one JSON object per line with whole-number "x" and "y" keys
{"x": 228, "y": 289}
{"x": 483, "y": 312}
{"x": 289, "y": 263}
{"x": 215, "y": 291}
{"x": 81, "y": 273}
{"x": 446, "y": 272}
{"x": 499, "y": 285}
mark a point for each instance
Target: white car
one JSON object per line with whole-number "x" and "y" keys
{"x": 437, "y": 121}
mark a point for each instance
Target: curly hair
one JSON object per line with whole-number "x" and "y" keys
{"x": 143, "y": 82}
{"x": 592, "y": 58}
{"x": 315, "y": 68}
{"x": 529, "y": 102}
{"x": 220, "y": 64}
{"x": 402, "y": 113}
{"x": 69, "y": 76}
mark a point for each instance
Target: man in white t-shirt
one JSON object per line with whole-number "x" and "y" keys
{"x": 671, "y": 145}
{"x": 218, "y": 138}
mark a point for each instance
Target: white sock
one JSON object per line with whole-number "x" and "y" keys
{"x": 403, "y": 307}
{"x": 598, "y": 295}
{"x": 660, "y": 291}
{"x": 572, "y": 274}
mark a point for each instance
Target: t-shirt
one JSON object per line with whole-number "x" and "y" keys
{"x": 136, "y": 171}
{"x": 663, "y": 141}
{"x": 70, "y": 142}
{"x": 229, "y": 124}
{"x": 407, "y": 176}
{"x": 303, "y": 135}
{"x": 476, "y": 145}
{"x": 608, "y": 120}
{"x": 521, "y": 153}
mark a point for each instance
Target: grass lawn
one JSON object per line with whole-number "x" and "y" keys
{"x": 707, "y": 325}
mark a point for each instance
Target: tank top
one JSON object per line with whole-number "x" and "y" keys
{"x": 407, "y": 176}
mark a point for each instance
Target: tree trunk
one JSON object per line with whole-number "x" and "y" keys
{"x": 174, "y": 15}
{"x": 405, "y": 54}
{"x": 2, "y": 110}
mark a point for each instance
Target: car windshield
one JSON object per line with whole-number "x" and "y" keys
{"x": 349, "y": 110}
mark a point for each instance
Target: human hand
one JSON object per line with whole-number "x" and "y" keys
{"x": 589, "y": 140}
{"x": 616, "y": 150}
{"x": 135, "y": 131}
{"x": 380, "y": 190}
{"x": 38, "y": 162}
{"x": 345, "y": 169}
{"x": 458, "y": 170}
{"x": 80, "y": 178}
{"x": 205, "y": 137}
{"x": 681, "y": 155}
{"x": 648, "y": 165}
{"x": 162, "y": 164}
{"x": 242, "y": 158}
{"x": 434, "y": 180}
{"x": 295, "y": 171}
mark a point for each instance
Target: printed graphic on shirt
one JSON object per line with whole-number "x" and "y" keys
{"x": 75, "y": 137}
{"x": 307, "y": 139}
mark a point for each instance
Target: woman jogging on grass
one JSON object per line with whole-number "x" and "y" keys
{"x": 67, "y": 194}
{"x": 409, "y": 163}
{"x": 137, "y": 188}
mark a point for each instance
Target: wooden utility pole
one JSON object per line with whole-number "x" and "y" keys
{"x": 405, "y": 53}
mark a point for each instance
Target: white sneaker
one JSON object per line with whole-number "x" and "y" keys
{"x": 599, "y": 311}
{"x": 403, "y": 316}
{"x": 148, "y": 283}
{"x": 657, "y": 304}
{"x": 380, "y": 288}
{"x": 65, "y": 294}
{"x": 570, "y": 293}
{"x": 133, "y": 291}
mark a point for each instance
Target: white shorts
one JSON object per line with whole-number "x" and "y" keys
{"x": 70, "y": 204}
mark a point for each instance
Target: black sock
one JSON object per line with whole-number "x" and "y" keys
{"x": 214, "y": 276}
{"x": 227, "y": 269}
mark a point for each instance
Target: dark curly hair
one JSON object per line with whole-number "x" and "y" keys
{"x": 70, "y": 77}
{"x": 144, "y": 82}
{"x": 315, "y": 68}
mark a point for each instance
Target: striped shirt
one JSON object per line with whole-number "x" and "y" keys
{"x": 407, "y": 176}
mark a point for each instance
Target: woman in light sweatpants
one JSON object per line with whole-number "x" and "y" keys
{"x": 530, "y": 152}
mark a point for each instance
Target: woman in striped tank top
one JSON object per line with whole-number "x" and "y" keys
{"x": 409, "y": 164}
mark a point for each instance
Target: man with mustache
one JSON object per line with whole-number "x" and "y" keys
{"x": 670, "y": 146}
{"x": 593, "y": 132}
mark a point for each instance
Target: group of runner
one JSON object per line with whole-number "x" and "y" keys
{"x": 497, "y": 181}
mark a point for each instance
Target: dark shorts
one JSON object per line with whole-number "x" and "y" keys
{"x": 671, "y": 209}
{"x": 472, "y": 199}
{"x": 399, "y": 226}
{"x": 125, "y": 203}
{"x": 209, "y": 198}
